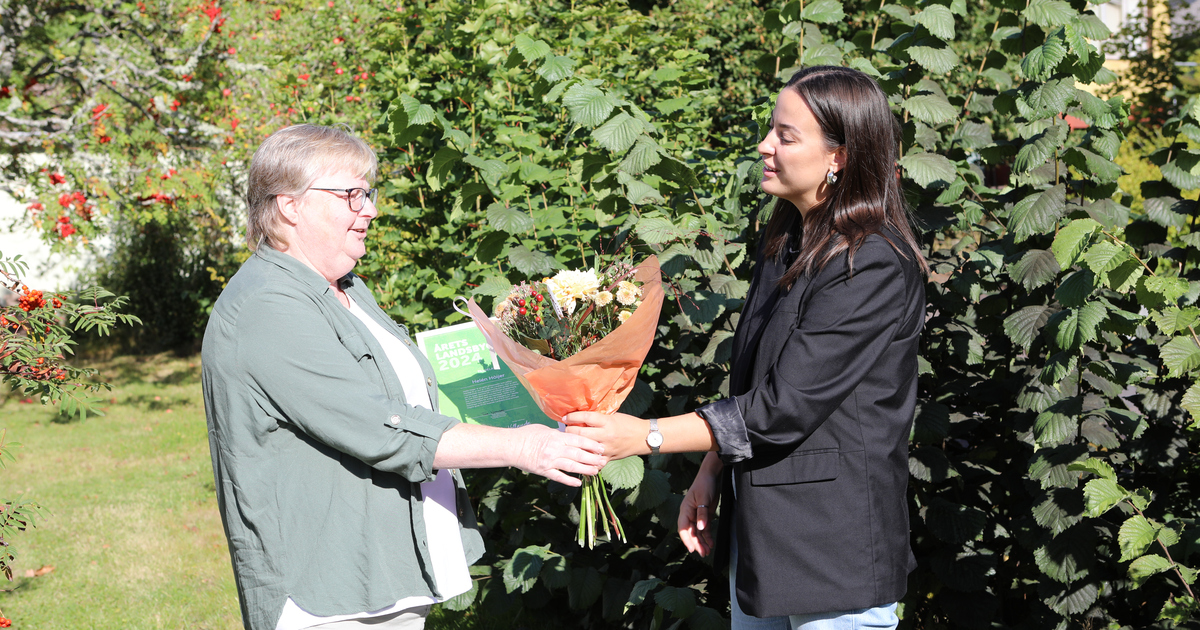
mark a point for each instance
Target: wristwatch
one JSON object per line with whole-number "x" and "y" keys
{"x": 654, "y": 439}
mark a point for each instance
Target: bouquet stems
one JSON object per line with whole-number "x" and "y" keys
{"x": 595, "y": 505}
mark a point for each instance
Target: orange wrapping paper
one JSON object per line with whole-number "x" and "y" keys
{"x": 597, "y": 378}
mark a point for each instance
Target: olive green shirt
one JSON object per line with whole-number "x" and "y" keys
{"x": 317, "y": 457}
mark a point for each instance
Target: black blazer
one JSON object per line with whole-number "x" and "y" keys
{"x": 823, "y": 388}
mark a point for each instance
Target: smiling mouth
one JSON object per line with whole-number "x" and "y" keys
{"x": 768, "y": 169}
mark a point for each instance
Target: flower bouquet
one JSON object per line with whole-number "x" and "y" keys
{"x": 576, "y": 342}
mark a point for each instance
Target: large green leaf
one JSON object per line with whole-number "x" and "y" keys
{"x": 1169, "y": 211}
{"x": 1096, "y": 168}
{"x": 1184, "y": 171}
{"x": 679, "y": 601}
{"x": 1102, "y": 495}
{"x": 441, "y": 166}
{"x": 1036, "y": 268}
{"x": 1136, "y": 535}
{"x": 531, "y": 49}
{"x": 1105, "y": 256}
{"x": 652, "y": 491}
{"x": 585, "y": 587}
{"x": 1180, "y": 355}
{"x": 639, "y": 192}
{"x": 1067, "y": 557}
{"x": 508, "y": 218}
{"x": 490, "y": 170}
{"x": 1145, "y": 567}
{"x": 1024, "y": 325}
{"x": 521, "y": 573}
{"x": 556, "y": 68}
{"x": 1125, "y": 276}
{"x": 1091, "y": 26}
{"x": 821, "y": 55}
{"x": 1078, "y": 43}
{"x": 1041, "y": 62}
{"x": 1072, "y": 599}
{"x": 1039, "y": 149}
{"x": 1061, "y": 508}
{"x": 931, "y": 109}
{"x": 1047, "y": 99}
{"x": 418, "y": 113}
{"x": 1038, "y": 213}
{"x": 954, "y": 523}
{"x": 1077, "y": 288}
{"x": 624, "y": 473}
{"x": 823, "y": 12}
{"x": 938, "y": 19}
{"x": 1073, "y": 239}
{"x": 1174, "y": 319}
{"x": 531, "y": 263}
{"x": 1059, "y": 424}
{"x": 655, "y": 230}
{"x": 1049, "y": 13}
{"x": 927, "y": 168}
{"x": 588, "y": 105}
{"x": 640, "y": 591}
{"x": 619, "y": 133}
{"x": 644, "y": 154}
{"x": 935, "y": 60}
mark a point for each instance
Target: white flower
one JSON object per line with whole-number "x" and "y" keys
{"x": 624, "y": 316}
{"x": 567, "y": 286}
{"x": 603, "y": 298}
{"x": 628, "y": 292}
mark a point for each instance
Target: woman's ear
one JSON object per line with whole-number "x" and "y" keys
{"x": 839, "y": 159}
{"x": 289, "y": 208}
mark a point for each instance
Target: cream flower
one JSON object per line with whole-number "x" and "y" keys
{"x": 567, "y": 286}
{"x": 603, "y": 298}
{"x": 624, "y": 316}
{"x": 628, "y": 293}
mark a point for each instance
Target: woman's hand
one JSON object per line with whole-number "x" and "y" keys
{"x": 698, "y": 505}
{"x": 621, "y": 434}
{"x": 552, "y": 453}
{"x": 534, "y": 448}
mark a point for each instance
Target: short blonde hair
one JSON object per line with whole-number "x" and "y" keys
{"x": 287, "y": 163}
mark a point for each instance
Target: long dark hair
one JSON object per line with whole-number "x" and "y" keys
{"x": 853, "y": 113}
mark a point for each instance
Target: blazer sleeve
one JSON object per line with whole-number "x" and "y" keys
{"x": 844, "y": 326}
{"x": 303, "y": 372}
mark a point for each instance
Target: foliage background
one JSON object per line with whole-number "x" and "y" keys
{"x": 1052, "y": 456}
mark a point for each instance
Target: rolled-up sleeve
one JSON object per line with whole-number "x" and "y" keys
{"x": 304, "y": 375}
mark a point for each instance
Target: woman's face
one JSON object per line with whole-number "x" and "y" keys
{"x": 328, "y": 234}
{"x": 795, "y": 157}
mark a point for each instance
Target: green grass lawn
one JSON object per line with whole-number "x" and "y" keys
{"x": 130, "y": 537}
{"x": 130, "y": 525}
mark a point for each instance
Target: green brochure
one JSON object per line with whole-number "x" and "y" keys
{"x": 474, "y": 385}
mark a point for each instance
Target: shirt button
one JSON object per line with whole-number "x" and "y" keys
{"x": 429, "y": 382}
{"x": 395, "y": 419}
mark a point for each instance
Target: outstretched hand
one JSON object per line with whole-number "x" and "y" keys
{"x": 621, "y": 434}
{"x": 552, "y": 454}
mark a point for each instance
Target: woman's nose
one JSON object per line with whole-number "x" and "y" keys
{"x": 766, "y": 147}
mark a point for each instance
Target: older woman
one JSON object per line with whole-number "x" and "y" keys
{"x": 335, "y": 473}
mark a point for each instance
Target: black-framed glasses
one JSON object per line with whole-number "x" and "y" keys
{"x": 356, "y": 197}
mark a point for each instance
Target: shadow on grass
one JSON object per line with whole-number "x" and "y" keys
{"x": 160, "y": 369}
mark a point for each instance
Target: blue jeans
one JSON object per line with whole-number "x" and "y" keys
{"x": 883, "y": 617}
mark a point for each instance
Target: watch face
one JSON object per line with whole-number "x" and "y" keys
{"x": 655, "y": 439}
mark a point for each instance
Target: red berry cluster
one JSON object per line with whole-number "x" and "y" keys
{"x": 533, "y": 305}
{"x": 5, "y": 622}
{"x": 31, "y": 299}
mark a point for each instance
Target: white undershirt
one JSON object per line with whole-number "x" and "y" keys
{"x": 439, "y": 506}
